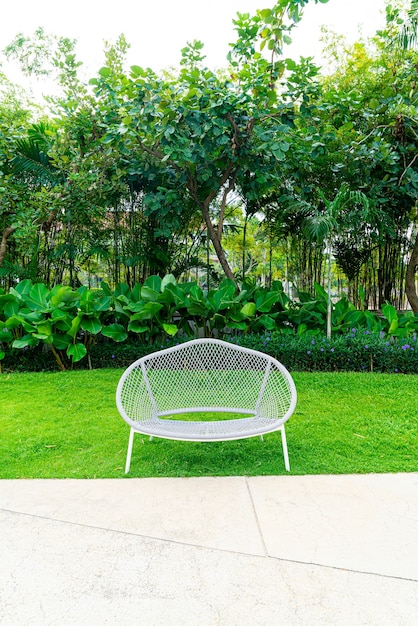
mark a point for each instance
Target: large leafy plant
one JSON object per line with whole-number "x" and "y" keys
{"x": 69, "y": 321}
{"x": 65, "y": 320}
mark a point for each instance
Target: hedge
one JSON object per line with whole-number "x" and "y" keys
{"x": 356, "y": 351}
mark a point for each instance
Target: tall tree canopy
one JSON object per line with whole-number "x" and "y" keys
{"x": 208, "y": 131}
{"x": 126, "y": 171}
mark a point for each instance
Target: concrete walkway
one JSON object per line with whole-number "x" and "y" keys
{"x": 291, "y": 550}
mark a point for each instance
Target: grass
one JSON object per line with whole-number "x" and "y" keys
{"x": 66, "y": 425}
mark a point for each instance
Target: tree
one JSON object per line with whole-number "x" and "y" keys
{"x": 320, "y": 227}
{"x": 362, "y": 119}
{"x": 410, "y": 285}
{"x": 408, "y": 33}
{"x": 408, "y": 39}
{"x": 16, "y": 204}
{"x": 35, "y": 189}
{"x": 207, "y": 130}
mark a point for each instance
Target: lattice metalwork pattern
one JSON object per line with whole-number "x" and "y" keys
{"x": 202, "y": 376}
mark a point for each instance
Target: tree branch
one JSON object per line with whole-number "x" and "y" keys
{"x": 3, "y": 244}
{"x": 221, "y": 183}
{"x": 407, "y": 167}
{"x": 204, "y": 206}
{"x": 367, "y": 136}
{"x": 410, "y": 287}
{"x": 156, "y": 154}
{"x": 230, "y": 187}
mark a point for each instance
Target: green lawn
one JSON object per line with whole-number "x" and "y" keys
{"x": 66, "y": 425}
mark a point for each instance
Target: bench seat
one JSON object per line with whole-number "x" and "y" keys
{"x": 216, "y": 430}
{"x": 254, "y": 392}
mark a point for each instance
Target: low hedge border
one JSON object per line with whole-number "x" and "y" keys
{"x": 355, "y": 352}
{"x": 358, "y": 351}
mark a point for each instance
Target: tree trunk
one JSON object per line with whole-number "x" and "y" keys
{"x": 3, "y": 244}
{"x": 244, "y": 246}
{"x": 410, "y": 288}
{"x": 211, "y": 231}
{"x": 217, "y": 244}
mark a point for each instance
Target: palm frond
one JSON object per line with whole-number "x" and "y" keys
{"x": 39, "y": 134}
{"x": 345, "y": 197}
{"x": 408, "y": 35}
{"x": 317, "y": 227}
{"x": 34, "y": 162}
{"x": 13, "y": 270}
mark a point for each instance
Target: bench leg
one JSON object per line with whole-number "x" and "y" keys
{"x": 128, "y": 456}
{"x": 285, "y": 452}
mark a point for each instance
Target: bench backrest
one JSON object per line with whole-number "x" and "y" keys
{"x": 205, "y": 375}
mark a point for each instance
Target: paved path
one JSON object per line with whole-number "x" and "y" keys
{"x": 291, "y": 550}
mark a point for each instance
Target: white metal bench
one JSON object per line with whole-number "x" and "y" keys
{"x": 206, "y": 376}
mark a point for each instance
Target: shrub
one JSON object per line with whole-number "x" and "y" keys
{"x": 357, "y": 351}
{"x": 83, "y": 327}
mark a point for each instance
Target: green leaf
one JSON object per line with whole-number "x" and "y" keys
{"x": 167, "y": 298}
{"x": 48, "y": 339}
{"x": 170, "y": 329}
{"x": 44, "y": 328}
{"x": 168, "y": 279}
{"x": 149, "y": 294}
{"x": 136, "y": 71}
{"x": 347, "y": 126}
{"x": 62, "y": 293}
{"x": 22, "y": 289}
{"x": 390, "y": 312}
{"x": 197, "y": 308}
{"x": 5, "y": 335}
{"x": 196, "y": 292}
{"x": 105, "y": 72}
{"x": 178, "y": 294}
{"x": 87, "y": 302}
{"x": 103, "y": 304}
{"x": 25, "y": 341}
{"x": 218, "y": 321}
{"x": 61, "y": 342}
{"x": 75, "y": 325}
{"x": 136, "y": 292}
{"x": 106, "y": 289}
{"x": 154, "y": 283}
{"x": 91, "y": 325}
{"x": 320, "y": 292}
{"x": 37, "y": 299}
{"x": 267, "y": 321}
{"x": 137, "y": 326}
{"x": 58, "y": 315}
{"x": 76, "y": 352}
{"x": 249, "y": 309}
{"x": 147, "y": 311}
{"x": 13, "y": 322}
{"x": 291, "y": 65}
{"x": 115, "y": 332}
{"x": 266, "y": 301}
{"x": 237, "y": 325}
{"x": 11, "y": 308}
{"x": 7, "y": 299}
{"x": 122, "y": 289}
{"x": 394, "y": 326}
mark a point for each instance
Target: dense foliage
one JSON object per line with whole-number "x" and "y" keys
{"x": 74, "y": 324}
{"x": 244, "y": 173}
